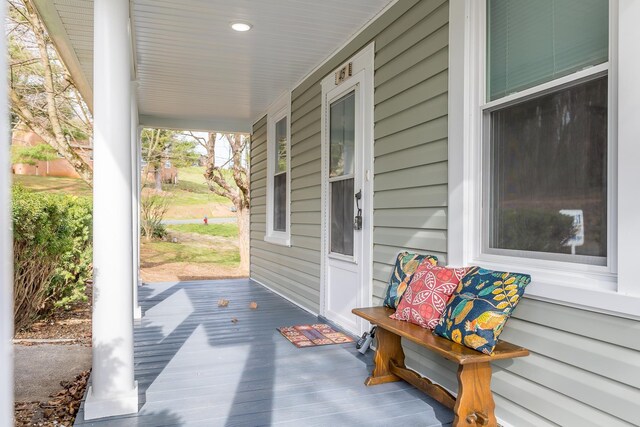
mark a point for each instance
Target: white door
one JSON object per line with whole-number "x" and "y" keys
{"x": 347, "y": 147}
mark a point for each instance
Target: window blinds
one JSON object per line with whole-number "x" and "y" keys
{"x": 532, "y": 42}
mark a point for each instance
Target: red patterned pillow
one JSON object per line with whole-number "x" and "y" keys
{"x": 426, "y": 297}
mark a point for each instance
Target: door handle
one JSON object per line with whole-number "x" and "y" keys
{"x": 357, "y": 221}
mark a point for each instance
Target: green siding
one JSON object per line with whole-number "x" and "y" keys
{"x": 584, "y": 369}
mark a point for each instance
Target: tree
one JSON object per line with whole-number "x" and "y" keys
{"x": 43, "y": 95}
{"x": 231, "y": 180}
{"x": 162, "y": 145}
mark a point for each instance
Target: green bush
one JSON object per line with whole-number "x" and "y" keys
{"x": 52, "y": 252}
{"x": 153, "y": 208}
{"x": 535, "y": 230}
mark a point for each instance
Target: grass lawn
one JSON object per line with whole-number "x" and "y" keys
{"x": 201, "y": 252}
{"x": 191, "y": 197}
{"x": 222, "y": 230}
{"x": 167, "y": 252}
{"x": 52, "y": 184}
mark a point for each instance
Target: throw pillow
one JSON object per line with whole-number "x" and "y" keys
{"x": 480, "y": 306}
{"x": 406, "y": 265}
{"x": 426, "y": 297}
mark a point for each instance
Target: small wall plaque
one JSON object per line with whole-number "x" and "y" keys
{"x": 343, "y": 73}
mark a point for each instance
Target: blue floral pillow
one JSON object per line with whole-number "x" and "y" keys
{"x": 406, "y": 265}
{"x": 480, "y": 306}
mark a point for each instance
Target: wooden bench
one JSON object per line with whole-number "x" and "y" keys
{"x": 474, "y": 404}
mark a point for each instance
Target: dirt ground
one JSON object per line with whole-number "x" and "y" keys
{"x": 183, "y": 271}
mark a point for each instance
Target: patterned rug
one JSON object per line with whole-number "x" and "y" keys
{"x": 312, "y": 335}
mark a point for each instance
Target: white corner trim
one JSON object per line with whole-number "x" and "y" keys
{"x": 120, "y": 404}
{"x": 628, "y": 146}
{"x": 458, "y": 23}
{"x": 280, "y": 294}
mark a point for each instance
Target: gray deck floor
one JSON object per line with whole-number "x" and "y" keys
{"x": 195, "y": 367}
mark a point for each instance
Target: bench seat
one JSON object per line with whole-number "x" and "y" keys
{"x": 473, "y": 405}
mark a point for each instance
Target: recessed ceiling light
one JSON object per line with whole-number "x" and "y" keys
{"x": 241, "y": 26}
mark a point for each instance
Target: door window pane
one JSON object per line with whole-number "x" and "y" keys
{"x": 342, "y": 214}
{"x": 342, "y": 135}
{"x": 548, "y": 175}
{"x": 532, "y": 42}
{"x": 281, "y": 146}
{"x": 280, "y": 202}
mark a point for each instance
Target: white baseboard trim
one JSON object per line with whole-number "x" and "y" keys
{"x": 283, "y": 296}
{"x": 123, "y": 403}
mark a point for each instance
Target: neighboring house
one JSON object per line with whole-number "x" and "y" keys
{"x": 59, "y": 167}
{"x": 168, "y": 172}
{"x": 445, "y": 125}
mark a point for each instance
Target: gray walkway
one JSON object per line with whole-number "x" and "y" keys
{"x": 199, "y": 221}
{"x": 195, "y": 367}
{"x": 40, "y": 368}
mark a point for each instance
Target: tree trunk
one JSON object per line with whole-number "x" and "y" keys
{"x": 157, "y": 173}
{"x": 242, "y": 216}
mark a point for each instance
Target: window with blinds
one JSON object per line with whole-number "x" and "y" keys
{"x": 533, "y": 42}
{"x": 545, "y": 173}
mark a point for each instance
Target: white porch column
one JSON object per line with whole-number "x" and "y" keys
{"x": 113, "y": 390}
{"x": 6, "y": 258}
{"x": 135, "y": 198}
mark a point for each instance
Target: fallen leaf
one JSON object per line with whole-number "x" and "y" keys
{"x": 253, "y": 305}
{"x": 234, "y": 320}
{"x": 223, "y": 302}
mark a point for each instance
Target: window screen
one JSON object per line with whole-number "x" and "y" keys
{"x": 548, "y": 176}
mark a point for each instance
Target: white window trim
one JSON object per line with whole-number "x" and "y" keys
{"x": 613, "y": 289}
{"x": 280, "y": 109}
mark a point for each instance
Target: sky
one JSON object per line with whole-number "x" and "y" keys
{"x": 223, "y": 150}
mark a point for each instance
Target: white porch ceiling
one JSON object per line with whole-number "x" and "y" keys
{"x": 194, "y": 71}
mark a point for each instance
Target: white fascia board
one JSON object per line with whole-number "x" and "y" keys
{"x": 49, "y": 15}
{"x": 196, "y": 124}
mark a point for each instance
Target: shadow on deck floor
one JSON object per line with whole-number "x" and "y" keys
{"x": 195, "y": 367}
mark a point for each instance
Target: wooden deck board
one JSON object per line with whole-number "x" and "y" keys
{"x": 196, "y": 368}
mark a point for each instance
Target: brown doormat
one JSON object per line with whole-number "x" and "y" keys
{"x": 312, "y": 335}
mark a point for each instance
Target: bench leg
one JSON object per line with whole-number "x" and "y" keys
{"x": 474, "y": 405}
{"x": 389, "y": 348}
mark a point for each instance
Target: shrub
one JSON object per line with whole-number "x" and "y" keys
{"x": 52, "y": 252}
{"x": 535, "y": 230}
{"x": 152, "y": 210}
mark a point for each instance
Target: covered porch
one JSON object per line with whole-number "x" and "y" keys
{"x": 194, "y": 366}
{"x": 166, "y": 354}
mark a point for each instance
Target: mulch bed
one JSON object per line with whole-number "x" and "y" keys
{"x": 73, "y": 325}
